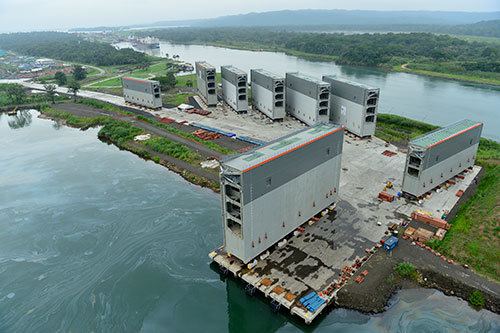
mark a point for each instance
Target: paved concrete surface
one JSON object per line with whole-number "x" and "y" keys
{"x": 253, "y": 124}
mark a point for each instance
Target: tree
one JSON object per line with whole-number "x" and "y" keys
{"x": 16, "y": 93}
{"x": 171, "y": 81}
{"x": 79, "y": 73}
{"x": 189, "y": 83}
{"x": 166, "y": 82}
{"x": 73, "y": 88}
{"x": 50, "y": 89}
{"x": 60, "y": 78}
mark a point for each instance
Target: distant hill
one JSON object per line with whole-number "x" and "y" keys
{"x": 350, "y": 19}
{"x": 483, "y": 28}
{"x": 354, "y": 17}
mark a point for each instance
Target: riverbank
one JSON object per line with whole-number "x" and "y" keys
{"x": 401, "y": 66}
{"x": 120, "y": 129}
{"x": 410, "y": 266}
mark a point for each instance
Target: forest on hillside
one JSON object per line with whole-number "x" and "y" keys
{"x": 69, "y": 47}
{"x": 355, "y": 49}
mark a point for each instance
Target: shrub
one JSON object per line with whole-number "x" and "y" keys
{"x": 406, "y": 270}
{"x": 174, "y": 149}
{"x": 476, "y": 299}
{"x": 119, "y": 131}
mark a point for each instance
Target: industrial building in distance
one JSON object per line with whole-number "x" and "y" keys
{"x": 439, "y": 155}
{"x": 268, "y": 93}
{"x": 270, "y": 191}
{"x": 307, "y": 98}
{"x": 206, "y": 82}
{"x": 353, "y": 105}
{"x": 234, "y": 88}
{"x": 142, "y": 92}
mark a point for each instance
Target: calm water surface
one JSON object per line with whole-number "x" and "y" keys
{"x": 432, "y": 100}
{"x": 95, "y": 239}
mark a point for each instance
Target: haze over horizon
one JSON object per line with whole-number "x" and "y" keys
{"x": 29, "y": 15}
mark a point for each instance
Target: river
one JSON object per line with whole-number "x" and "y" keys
{"x": 96, "y": 239}
{"x": 433, "y": 100}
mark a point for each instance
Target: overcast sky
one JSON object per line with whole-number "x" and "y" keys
{"x": 25, "y": 15}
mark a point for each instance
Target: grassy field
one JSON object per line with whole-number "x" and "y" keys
{"x": 176, "y": 99}
{"x": 212, "y": 145}
{"x": 474, "y": 234}
{"x": 155, "y": 69}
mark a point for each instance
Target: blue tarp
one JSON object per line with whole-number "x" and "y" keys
{"x": 312, "y": 301}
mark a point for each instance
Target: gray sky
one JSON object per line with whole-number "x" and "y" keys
{"x": 25, "y": 15}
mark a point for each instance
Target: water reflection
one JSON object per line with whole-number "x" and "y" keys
{"x": 22, "y": 119}
{"x": 57, "y": 125}
{"x": 362, "y": 73}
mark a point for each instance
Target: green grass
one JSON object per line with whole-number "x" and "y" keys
{"x": 72, "y": 120}
{"x": 112, "y": 82}
{"x": 397, "y": 129}
{"x": 476, "y": 299}
{"x": 444, "y": 71}
{"x": 118, "y": 132}
{"x": 155, "y": 69}
{"x": 407, "y": 271}
{"x": 474, "y": 234}
{"x": 176, "y": 99}
{"x": 103, "y": 106}
{"x": 212, "y": 145}
{"x": 174, "y": 149}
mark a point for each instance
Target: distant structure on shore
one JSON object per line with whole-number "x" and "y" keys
{"x": 140, "y": 92}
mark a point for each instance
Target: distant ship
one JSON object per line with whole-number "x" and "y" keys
{"x": 149, "y": 42}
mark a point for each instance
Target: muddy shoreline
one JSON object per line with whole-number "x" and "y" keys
{"x": 382, "y": 283}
